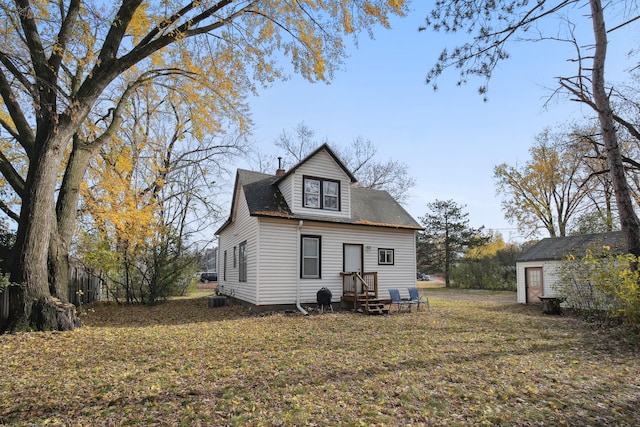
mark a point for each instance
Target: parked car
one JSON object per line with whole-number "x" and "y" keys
{"x": 209, "y": 276}
{"x": 424, "y": 277}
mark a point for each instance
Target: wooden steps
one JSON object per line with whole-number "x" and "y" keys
{"x": 372, "y": 306}
{"x": 366, "y": 303}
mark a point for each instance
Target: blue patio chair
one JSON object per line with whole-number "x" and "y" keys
{"x": 395, "y": 299}
{"x": 415, "y": 298}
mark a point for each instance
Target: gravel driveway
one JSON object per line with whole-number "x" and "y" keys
{"x": 472, "y": 295}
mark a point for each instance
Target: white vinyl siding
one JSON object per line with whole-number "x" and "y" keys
{"x": 549, "y": 277}
{"x": 323, "y": 167}
{"x": 280, "y": 262}
{"x": 286, "y": 188}
{"x": 243, "y": 229}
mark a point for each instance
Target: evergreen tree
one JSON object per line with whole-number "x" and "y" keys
{"x": 446, "y": 236}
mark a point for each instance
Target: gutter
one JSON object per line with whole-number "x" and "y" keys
{"x": 298, "y": 243}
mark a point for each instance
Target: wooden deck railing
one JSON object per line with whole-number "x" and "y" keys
{"x": 360, "y": 284}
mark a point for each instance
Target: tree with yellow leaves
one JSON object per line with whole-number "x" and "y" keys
{"x": 548, "y": 191}
{"x": 143, "y": 193}
{"x": 491, "y": 265}
{"x": 492, "y": 25}
{"x": 68, "y": 68}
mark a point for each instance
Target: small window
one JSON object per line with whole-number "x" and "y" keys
{"x": 385, "y": 256}
{"x": 242, "y": 261}
{"x": 235, "y": 255}
{"x": 310, "y": 262}
{"x": 224, "y": 267}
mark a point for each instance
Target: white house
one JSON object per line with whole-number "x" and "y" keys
{"x": 289, "y": 235}
{"x": 537, "y": 268}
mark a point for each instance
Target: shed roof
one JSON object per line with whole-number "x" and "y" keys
{"x": 557, "y": 248}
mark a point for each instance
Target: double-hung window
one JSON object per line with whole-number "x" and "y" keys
{"x": 242, "y": 261}
{"x": 311, "y": 193}
{"x": 385, "y": 256}
{"x": 330, "y": 195}
{"x": 310, "y": 262}
{"x": 321, "y": 193}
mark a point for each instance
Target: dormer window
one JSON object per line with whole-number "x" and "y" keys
{"x": 321, "y": 193}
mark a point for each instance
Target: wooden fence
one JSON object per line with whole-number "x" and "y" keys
{"x": 84, "y": 288}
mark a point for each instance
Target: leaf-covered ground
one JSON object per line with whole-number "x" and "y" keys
{"x": 182, "y": 363}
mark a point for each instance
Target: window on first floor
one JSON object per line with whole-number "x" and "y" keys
{"x": 242, "y": 261}
{"x": 385, "y": 256}
{"x": 224, "y": 266}
{"x": 310, "y": 262}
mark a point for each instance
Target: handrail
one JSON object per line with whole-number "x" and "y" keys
{"x": 368, "y": 281}
{"x": 365, "y": 287}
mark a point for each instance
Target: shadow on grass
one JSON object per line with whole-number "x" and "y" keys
{"x": 169, "y": 313}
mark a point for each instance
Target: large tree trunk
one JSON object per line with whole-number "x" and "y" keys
{"x": 628, "y": 220}
{"x": 66, "y": 213}
{"x": 58, "y": 263}
{"x": 34, "y": 243}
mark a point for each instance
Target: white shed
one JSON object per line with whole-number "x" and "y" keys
{"x": 537, "y": 268}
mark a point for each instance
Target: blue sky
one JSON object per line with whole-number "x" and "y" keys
{"x": 450, "y": 139}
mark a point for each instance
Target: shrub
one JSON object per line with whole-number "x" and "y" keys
{"x": 603, "y": 283}
{"x": 483, "y": 273}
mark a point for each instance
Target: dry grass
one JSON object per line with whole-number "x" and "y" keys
{"x": 182, "y": 363}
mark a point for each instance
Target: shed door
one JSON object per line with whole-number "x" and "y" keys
{"x": 533, "y": 281}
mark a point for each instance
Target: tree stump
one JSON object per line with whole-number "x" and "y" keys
{"x": 51, "y": 314}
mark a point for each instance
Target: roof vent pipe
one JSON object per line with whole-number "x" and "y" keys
{"x": 280, "y": 171}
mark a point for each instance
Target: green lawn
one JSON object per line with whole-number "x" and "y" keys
{"x": 182, "y": 363}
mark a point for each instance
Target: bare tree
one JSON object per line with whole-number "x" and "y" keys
{"x": 360, "y": 157}
{"x": 492, "y": 25}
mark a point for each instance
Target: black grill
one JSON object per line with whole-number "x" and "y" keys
{"x": 324, "y": 298}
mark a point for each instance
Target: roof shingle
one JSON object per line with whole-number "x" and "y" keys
{"x": 368, "y": 207}
{"x": 557, "y": 248}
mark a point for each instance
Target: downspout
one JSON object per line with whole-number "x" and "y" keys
{"x": 298, "y": 244}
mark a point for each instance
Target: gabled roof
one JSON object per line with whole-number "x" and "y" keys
{"x": 368, "y": 207}
{"x": 558, "y": 248}
{"x": 325, "y": 147}
{"x": 244, "y": 177}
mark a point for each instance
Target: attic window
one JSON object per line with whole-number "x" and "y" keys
{"x": 321, "y": 193}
